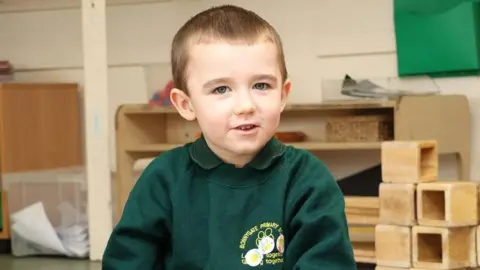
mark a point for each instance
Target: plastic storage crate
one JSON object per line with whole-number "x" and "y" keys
{"x": 55, "y": 197}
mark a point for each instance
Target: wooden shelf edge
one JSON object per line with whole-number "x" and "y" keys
{"x": 137, "y": 109}
{"x": 315, "y": 146}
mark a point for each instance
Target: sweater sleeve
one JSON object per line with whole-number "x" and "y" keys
{"x": 142, "y": 234}
{"x": 317, "y": 227}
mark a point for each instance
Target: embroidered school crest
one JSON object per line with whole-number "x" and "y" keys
{"x": 263, "y": 244}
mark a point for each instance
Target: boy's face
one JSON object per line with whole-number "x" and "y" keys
{"x": 236, "y": 94}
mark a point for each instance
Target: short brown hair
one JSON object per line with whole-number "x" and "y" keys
{"x": 226, "y": 22}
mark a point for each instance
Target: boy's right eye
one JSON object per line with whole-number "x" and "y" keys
{"x": 220, "y": 90}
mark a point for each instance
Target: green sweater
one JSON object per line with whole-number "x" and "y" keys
{"x": 189, "y": 211}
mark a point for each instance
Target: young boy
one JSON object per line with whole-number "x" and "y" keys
{"x": 236, "y": 198}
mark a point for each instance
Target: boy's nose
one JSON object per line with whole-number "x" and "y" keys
{"x": 244, "y": 105}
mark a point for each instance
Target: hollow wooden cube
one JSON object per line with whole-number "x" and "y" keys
{"x": 393, "y": 245}
{"x": 409, "y": 161}
{"x": 447, "y": 204}
{"x": 443, "y": 248}
{"x": 397, "y": 204}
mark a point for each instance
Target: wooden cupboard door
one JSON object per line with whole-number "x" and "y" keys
{"x": 41, "y": 126}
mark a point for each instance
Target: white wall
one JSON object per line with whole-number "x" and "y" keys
{"x": 324, "y": 40}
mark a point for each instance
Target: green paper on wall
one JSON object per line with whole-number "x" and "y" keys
{"x": 437, "y": 38}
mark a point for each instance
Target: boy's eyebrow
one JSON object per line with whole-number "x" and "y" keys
{"x": 226, "y": 80}
{"x": 218, "y": 81}
{"x": 265, "y": 77}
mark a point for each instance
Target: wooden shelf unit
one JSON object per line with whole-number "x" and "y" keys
{"x": 145, "y": 132}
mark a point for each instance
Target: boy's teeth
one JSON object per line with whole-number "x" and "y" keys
{"x": 245, "y": 127}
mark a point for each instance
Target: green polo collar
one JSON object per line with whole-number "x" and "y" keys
{"x": 207, "y": 159}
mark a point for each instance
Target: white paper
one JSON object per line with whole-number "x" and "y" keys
{"x": 35, "y": 234}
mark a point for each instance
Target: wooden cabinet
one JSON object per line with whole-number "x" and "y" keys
{"x": 40, "y": 128}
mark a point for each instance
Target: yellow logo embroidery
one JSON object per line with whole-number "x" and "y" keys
{"x": 263, "y": 244}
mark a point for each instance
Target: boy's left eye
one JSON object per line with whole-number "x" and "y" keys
{"x": 260, "y": 86}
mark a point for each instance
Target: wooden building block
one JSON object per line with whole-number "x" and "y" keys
{"x": 393, "y": 246}
{"x": 447, "y": 204}
{"x": 443, "y": 248}
{"x": 478, "y": 200}
{"x": 397, "y": 204}
{"x": 409, "y": 161}
{"x": 477, "y": 239}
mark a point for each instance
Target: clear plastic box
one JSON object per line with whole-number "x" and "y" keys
{"x": 48, "y": 212}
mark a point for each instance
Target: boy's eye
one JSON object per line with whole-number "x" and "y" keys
{"x": 261, "y": 86}
{"x": 221, "y": 90}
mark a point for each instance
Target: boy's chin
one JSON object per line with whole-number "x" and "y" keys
{"x": 246, "y": 148}
{"x": 245, "y": 151}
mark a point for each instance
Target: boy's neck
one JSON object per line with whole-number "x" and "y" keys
{"x": 239, "y": 161}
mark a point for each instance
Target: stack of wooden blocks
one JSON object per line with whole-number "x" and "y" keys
{"x": 424, "y": 223}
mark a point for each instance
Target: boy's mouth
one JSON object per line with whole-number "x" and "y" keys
{"x": 246, "y": 127}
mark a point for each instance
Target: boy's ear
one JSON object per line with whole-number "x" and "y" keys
{"x": 181, "y": 101}
{"x": 285, "y": 92}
